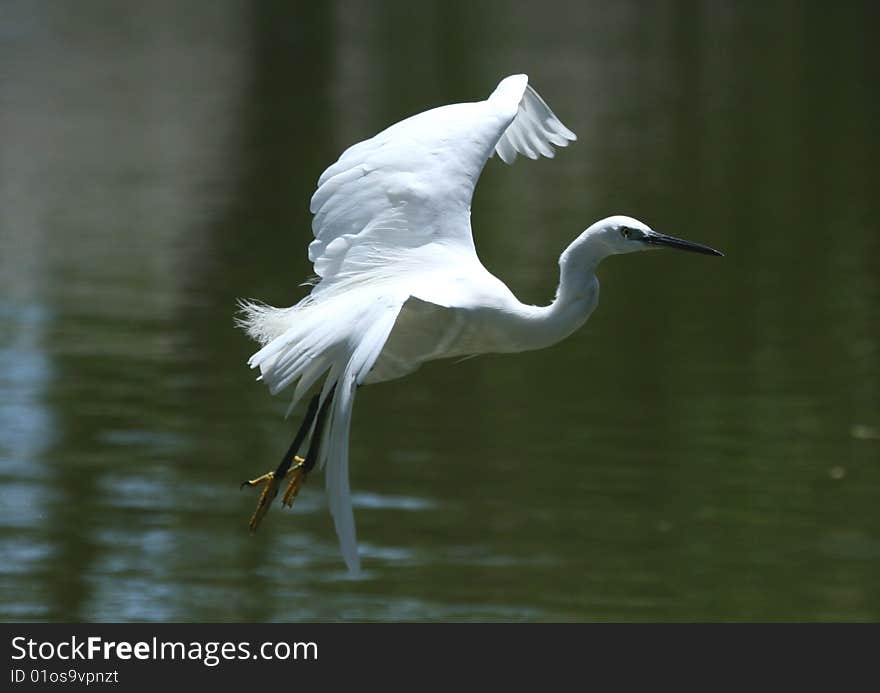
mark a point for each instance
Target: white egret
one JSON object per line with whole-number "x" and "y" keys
{"x": 399, "y": 282}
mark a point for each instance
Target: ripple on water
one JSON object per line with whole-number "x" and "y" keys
{"x": 157, "y": 441}
{"x": 386, "y": 502}
{"x": 120, "y": 598}
{"x": 22, "y": 556}
{"x": 24, "y": 504}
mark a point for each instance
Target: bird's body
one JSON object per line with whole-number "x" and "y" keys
{"x": 399, "y": 281}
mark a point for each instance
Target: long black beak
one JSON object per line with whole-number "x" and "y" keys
{"x": 661, "y": 239}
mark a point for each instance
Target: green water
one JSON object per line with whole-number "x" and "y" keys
{"x": 705, "y": 448}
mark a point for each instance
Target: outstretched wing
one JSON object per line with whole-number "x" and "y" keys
{"x": 410, "y": 186}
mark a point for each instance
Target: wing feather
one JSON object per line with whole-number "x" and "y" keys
{"x": 411, "y": 185}
{"x": 533, "y": 130}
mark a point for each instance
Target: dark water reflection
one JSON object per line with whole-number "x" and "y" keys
{"x": 705, "y": 449}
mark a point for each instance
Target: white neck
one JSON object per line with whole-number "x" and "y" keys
{"x": 576, "y": 297}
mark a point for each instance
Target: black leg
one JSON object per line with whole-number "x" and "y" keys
{"x": 273, "y": 480}
{"x": 298, "y": 439}
{"x": 306, "y": 465}
{"x": 315, "y": 442}
{"x": 288, "y": 458}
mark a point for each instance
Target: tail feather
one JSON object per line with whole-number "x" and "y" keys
{"x": 340, "y": 341}
{"x": 363, "y": 357}
{"x": 310, "y": 376}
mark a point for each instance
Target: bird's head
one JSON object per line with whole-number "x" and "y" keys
{"x": 620, "y": 234}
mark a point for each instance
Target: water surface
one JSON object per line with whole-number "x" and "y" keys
{"x": 705, "y": 448}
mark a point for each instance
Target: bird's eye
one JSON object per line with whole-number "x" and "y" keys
{"x": 625, "y": 232}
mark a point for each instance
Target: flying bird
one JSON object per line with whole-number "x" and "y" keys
{"x": 399, "y": 282}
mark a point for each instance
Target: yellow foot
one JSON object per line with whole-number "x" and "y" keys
{"x": 270, "y": 490}
{"x": 298, "y": 478}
